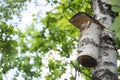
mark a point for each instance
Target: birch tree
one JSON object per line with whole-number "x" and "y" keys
{"x": 107, "y": 61}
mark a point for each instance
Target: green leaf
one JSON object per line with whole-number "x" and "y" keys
{"x": 72, "y": 78}
{"x": 115, "y": 25}
{"x": 115, "y": 2}
{"x": 115, "y": 5}
{"x": 116, "y": 8}
{"x": 51, "y": 64}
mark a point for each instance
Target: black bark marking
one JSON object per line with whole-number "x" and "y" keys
{"x": 109, "y": 63}
{"x": 109, "y": 74}
{"x": 104, "y": 18}
{"x": 104, "y": 74}
{"x": 107, "y": 43}
{"x": 79, "y": 51}
{"x": 108, "y": 40}
{"x": 107, "y": 47}
{"x": 99, "y": 56}
{"x": 105, "y": 8}
{"x": 105, "y": 53}
{"x": 87, "y": 41}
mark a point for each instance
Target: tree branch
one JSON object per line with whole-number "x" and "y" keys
{"x": 77, "y": 68}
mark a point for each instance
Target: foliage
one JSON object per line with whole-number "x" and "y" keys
{"x": 7, "y": 48}
{"x": 115, "y": 25}
{"x": 8, "y": 8}
{"x": 57, "y": 68}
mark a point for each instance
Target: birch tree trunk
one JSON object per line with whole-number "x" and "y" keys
{"x": 107, "y": 60}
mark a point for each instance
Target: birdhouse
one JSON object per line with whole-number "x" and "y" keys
{"x": 90, "y": 30}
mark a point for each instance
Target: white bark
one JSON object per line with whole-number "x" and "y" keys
{"x": 107, "y": 61}
{"x": 102, "y": 12}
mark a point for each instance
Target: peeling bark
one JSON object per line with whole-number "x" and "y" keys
{"x": 107, "y": 60}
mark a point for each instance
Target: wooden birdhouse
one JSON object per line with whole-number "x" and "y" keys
{"x": 90, "y": 29}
